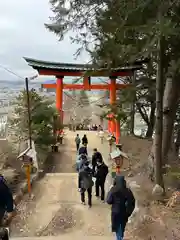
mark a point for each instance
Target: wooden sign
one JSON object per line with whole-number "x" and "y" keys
{"x": 28, "y": 176}
{"x": 115, "y": 154}
{"x": 27, "y": 160}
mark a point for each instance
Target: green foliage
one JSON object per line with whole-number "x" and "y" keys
{"x": 121, "y": 31}
{"x": 103, "y": 114}
{"x": 172, "y": 176}
{"x": 74, "y": 15}
{"x": 42, "y": 118}
{"x": 119, "y": 113}
{"x": 178, "y": 115}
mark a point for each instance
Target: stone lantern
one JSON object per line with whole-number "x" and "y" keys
{"x": 117, "y": 157}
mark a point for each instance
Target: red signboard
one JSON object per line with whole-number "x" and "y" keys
{"x": 119, "y": 161}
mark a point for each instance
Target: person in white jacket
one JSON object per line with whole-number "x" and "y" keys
{"x": 101, "y": 135}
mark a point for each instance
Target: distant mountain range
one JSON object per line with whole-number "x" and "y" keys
{"x": 14, "y": 82}
{"x": 20, "y": 84}
{"x": 38, "y": 83}
{"x": 11, "y": 88}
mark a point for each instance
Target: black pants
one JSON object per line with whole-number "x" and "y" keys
{"x": 100, "y": 185}
{"x": 2, "y": 212}
{"x": 94, "y": 168}
{"x": 4, "y": 235}
{"x": 89, "y": 192}
{"x": 79, "y": 182}
{"x": 77, "y": 146}
{"x": 123, "y": 225}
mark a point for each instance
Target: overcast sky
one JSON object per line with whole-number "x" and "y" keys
{"x": 22, "y": 33}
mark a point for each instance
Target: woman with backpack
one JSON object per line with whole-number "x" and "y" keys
{"x": 77, "y": 141}
{"x": 86, "y": 183}
{"x": 122, "y": 203}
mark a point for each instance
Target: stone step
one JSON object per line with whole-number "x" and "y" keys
{"x": 61, "y": 174}
{"x": 66, "y": 237}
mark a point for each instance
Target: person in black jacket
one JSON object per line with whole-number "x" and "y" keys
{"x": 86, "y": 183}
{"x": 96, "y": 155}
{"x": 85, "y": 140}
{"x": 6, "y": 203}
{"x": 122, "y": 201}
{"x": 101, "y": 173}
{"x": 83, "y": 150}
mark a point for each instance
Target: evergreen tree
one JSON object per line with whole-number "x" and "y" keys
{"x": 42, "y": 118}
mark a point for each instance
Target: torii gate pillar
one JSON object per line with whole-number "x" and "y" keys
{"x": 59, "y": 97}
{"x": 112, "y": 102}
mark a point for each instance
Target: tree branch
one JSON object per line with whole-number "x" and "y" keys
{"x": 143, "y": 112}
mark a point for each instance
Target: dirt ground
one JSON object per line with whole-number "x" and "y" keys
{"x": 56, "y": 209}
{"x": 10, "y": 167}
{"x": 154, "y": 221}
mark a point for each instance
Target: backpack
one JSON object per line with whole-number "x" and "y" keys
{"x": 130, "y": 202}
{"x": 82, "y": 160}
{"x": 84, "y": 140}
{"x": 87, "y": 181}
{"x": 2, "y": 180}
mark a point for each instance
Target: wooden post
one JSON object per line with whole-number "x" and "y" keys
{"x": 118, "y": 134}
{"x": 87, "y": 83}
{"x": 110, "y": 148}
{"x": 28, "y": 176}
{"x": 113, "y": 169}
{"x": 29, "y": 113}
{"x": 109, "y": 125}
{"x": 59, "y": 97}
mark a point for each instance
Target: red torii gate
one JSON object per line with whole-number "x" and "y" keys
{"x": 60, "y": 70}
